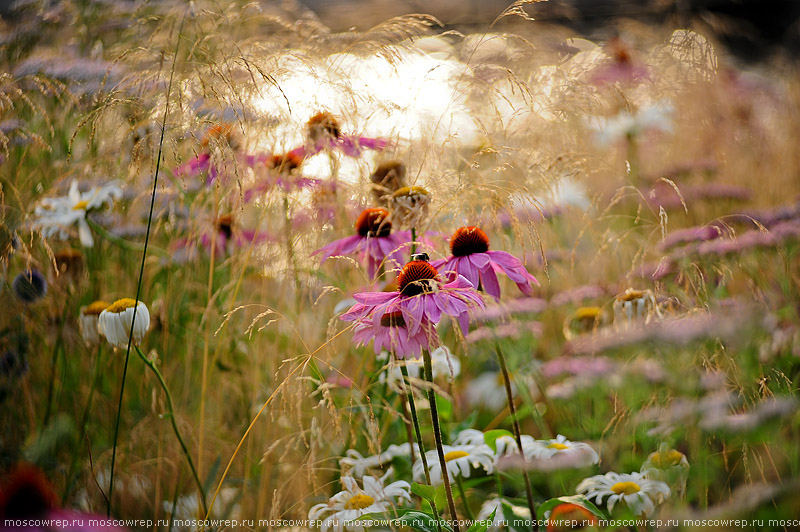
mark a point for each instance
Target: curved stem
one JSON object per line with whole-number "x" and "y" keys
{"x": 517, "y": 434}
{"x": 437, "y": 436}
{"x": 121, "y": 242}
{"x": 409, "y": 393}
{"x": 171, "y": 414}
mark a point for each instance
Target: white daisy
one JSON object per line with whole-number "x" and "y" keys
{"x": 342, "y": 511}
{"x": 88, "y": 322}
{"x": 458, "y": 461}
{"x": 441, "y": 362}
{"x": 469, "y": 437}
{"x": 656, "y": 117}
{"x": 667, "y": 465}
{"x": 559, "y": 453}
{"x": 56, "y": 215}
{"x": 637, "y": 492}
{"x": 495, "y": 504}
{"x": 115, "y": 322}
{"x": 488, "y": 391}
{"x": 358, "y": 464}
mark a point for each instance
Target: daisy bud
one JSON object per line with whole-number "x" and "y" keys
{"x": 115, "y": 322}
{"x": 410, "y": 204}
{"x": 88, "y": 321}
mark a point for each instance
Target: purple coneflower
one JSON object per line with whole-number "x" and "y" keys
{"x": 472, "y": 258}
{"x": 324, "y": 133}
{"x": 392, "y": 334}
{"x": 373, "y": 241}
{"x": 422, "y": 297}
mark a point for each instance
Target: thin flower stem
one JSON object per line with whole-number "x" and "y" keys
{"x": 437, "y": 436}
{"x": 141, "y": 267}
{"x": 54, "y": 365}
{"x": 463, "y": 493}
{"x": 171, "y": 414}
{"x": 84, "y": 420}
{"x": 413, "y": 240}
{"x": 408, "y": 392}
{"x": 517, "y": 434}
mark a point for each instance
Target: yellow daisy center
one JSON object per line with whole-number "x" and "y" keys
{"x": 666, "y": 458}
{"x": 94, "y": 309}
{"x": 121, "y": 305}
{"x": 587, "y": 313}
{"x": 410, "y": 192}
{"x": 359, "y": 501}
{"x": 455, "y": 455}
{"x": 81, "y": 205}
{"x": 557, "y": 446}
{"x": 628, "y": 488}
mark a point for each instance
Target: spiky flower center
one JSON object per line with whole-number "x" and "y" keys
{"x": 455, "y": 455}
{"x": 121, "y": 305}
{"x": 417, "y": 277}
{"x": 373, "y": 222}
{"x": 558, "y": 446}
{"x": 627, "y": 488}
{"x": 80, "y": 206}
{"x": 359, "y": 501}
{"x": 285, "y": 163}
{"x": 469, "y": 240}
{"x": 393, "y": 319}
{"x": 323, "y": 124}
{"x": 225, "y": 225}
{"x": 94, "y": 309}
{"x": 666, "y": 459}
{"x": 219, "y": 132}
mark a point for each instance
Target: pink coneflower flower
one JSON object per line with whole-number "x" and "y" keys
{"x": 422, "y": 297}
{"x": 374, "y": 241}
{"x": 229, "y": 234}
{"x": 472, "y": 258}
{"x": 392, "y": 334}
{"x": 324, "y": 133}
{"x": 280, "y": 171}
{"x": 622, "y": 68}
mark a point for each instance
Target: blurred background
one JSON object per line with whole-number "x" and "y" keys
{"x": 751, "y": 29}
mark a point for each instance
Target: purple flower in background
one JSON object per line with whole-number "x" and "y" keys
{"x": 26, "y": 496}
{"x": 323, "y": 132}
{"x": 472, "y": 258}
{"x": 374, "y": 241}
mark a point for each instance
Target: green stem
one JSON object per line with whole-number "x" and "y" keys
{"x": 413, "y": 240}
{"x": 463, "y": 493}
{"x": 54, "y": 365}
{"x": 409, "y": 393}
{"x": 171, "y": 415}
{"x": 84, "y": 420}
{"x": 121, "y": 242}
{"x": 517, "y": 434}
{"x": 437, "y": 436}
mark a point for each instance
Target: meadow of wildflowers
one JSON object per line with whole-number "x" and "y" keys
{"x": 258, "y": 274}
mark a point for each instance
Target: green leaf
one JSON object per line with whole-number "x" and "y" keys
{"x": 423, "y": 491}
{"x": 490, "y": 437}
{"x": 415, "y": 519}
{"x": 445, "y": 408}
{"x": 483, "y": 524}
{"x": 578, "y": 500}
